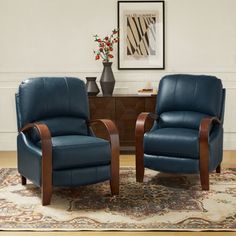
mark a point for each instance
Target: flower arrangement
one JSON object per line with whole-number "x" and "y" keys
{"x": 105, "y": 46}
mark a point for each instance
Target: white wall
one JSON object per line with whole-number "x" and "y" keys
{"x": 54, "y": 38}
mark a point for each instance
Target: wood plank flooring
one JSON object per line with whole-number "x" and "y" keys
{"x": 8, "y": 159}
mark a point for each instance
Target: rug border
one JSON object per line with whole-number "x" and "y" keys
{"x": 117, "y": 230}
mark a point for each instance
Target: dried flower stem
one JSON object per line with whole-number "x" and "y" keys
{"x": 105, "y": 45}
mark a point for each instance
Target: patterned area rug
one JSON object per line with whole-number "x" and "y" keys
{"x": 162, "y": 202}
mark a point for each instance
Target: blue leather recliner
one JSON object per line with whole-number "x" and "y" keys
{"x": 187, "y": 134}
{"x": 55, "y": 144}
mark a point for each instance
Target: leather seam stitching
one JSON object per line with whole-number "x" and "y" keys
{"x": 68, "y": 92}
{"x": 74, "y": 146}
{"x": 175, "y": 91}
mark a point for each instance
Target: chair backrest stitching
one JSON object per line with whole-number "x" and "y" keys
{"x": 68, "y": 92}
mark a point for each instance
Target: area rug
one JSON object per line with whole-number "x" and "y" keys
{"x": 163, "y": 202}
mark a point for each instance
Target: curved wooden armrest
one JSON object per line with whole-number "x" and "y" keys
{"x": 141, "y": 121}
{"x": 44, "y": 133}
{"x": 110, "y": 128}
{"x": 139, "y": 132}
{"x": 115, "y": 151}
{"x": 204, "y": 131}
{"x": 205, "y": 127}
{"x": 113, "y": 135}
{"x": 45, "y": 136}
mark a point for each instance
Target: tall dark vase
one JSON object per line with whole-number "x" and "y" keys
{"x": 107, "y": 80}
{"x": 91, "y": 86}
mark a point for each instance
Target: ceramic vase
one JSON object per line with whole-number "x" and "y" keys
{"x": 91, "y": 86}
{"x": 107, "y": 80}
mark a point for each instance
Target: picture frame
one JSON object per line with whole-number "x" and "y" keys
{"x": 141, "y": 28}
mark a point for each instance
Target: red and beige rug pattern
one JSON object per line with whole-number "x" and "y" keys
{"x": 163, "y": 202}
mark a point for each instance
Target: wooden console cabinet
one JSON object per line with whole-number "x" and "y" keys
{"x": 123, "y": 110}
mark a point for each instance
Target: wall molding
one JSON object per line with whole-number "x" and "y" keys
{"x": 120, "y": 76}
{"x": 97, "y": 69}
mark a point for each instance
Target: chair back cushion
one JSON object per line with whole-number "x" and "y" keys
{"x": 181, "y": 119}
{"x": 183, "y": 100}
{"x": 61, "y": 103}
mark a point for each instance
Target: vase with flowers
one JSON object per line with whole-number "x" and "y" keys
{"x": 105, "y": 53}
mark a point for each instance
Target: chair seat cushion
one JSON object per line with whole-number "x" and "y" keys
{"x": 177, "y": 142}
{"x": 78, "y": 151}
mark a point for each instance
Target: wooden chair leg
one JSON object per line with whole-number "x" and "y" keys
{"x": 218, "y": 169}
{"x": 204, "y": 177}
{"x": 46, "y": 189}
{"x": 115, "y": 152}
{"x": 45, "y": 135}
{"x": 114, "y": 184}
{"x": 205, "y": 126}
{"x": 139, "y": 151}
{"x": 139, "y": 161}
{"x": 115, "y": 167}
{"x": 23, "y": 180}
{"x": 139, "y": 171}
{"x": 46, "y": 195}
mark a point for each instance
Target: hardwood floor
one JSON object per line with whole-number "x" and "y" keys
{"x": 8, "y": 159}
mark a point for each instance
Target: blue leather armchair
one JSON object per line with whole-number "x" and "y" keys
{"x": 187, "y": 134}
{"x": 55, "y": 144}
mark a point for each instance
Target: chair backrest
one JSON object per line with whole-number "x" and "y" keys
{"x": 183, "y": 100}
{"x": 60, "y": 102}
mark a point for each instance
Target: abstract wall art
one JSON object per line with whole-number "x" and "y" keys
{"x": 141, "y": 35}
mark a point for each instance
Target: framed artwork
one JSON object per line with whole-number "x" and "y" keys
{"x": 141, "y": 35}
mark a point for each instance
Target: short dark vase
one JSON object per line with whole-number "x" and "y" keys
{"x": 91, "y": 86}
{"x": 107, "y": 80}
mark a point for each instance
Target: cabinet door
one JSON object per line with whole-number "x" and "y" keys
{"x": 101, "y": 108}
{"x": 127, "y": 111}
{"x": 150, "y": 106}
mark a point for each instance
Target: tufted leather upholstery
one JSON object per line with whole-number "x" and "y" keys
{"x": 172, "y": 145}
{"x": 78, "y": 157}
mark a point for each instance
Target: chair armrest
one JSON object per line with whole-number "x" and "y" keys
{"x": 204, "y": 131}
{"x": 110, "y": 128}
{"x": 44, "y": 133}
{"x": 113, "y": 135}
{"x": 115, "y": 150}
{"x": 205, "y": 128}
{"x": 45, "y": 136}
{"x": 139, "y": 133}
{"x": 141, "y": 121}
